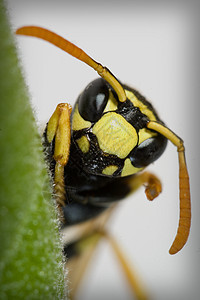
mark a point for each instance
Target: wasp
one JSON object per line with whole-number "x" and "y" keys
{"x": 97, "y": 152}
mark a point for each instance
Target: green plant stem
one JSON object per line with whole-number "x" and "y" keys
{"x": 31, "y": 264}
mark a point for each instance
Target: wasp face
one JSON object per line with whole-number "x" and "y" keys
{"x": 111, "y": 136}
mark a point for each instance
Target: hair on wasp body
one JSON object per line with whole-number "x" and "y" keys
{"x": 97, "y": 152}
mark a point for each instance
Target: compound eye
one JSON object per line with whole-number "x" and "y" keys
{"x": 93, "y": 100}
{"x": 148, "y": 151}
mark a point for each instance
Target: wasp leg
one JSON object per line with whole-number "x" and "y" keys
{"x": 150, "y": 181}
{"x": 84, "y": 249}
{"x": 79, "y": 253}
{"x": 58, "y": 127}
{"x": 135, "y": 284}
{"x": 78, "y": 264}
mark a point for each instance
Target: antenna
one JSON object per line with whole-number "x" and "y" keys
{"x": 76, "y": 52}
{"x": 184, "y": 187}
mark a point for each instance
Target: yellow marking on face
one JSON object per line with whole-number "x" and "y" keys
{"x": 143, "y": 108}
{"x": 109, "y": 170}
{"x": 145, "y": 134}
{"x": 115, "y": 135}
{"x": 111, "y": 104}
{"x": 129, "y": 169}
{"x": 83, "y": 144}
{"x": 78, "y": 122}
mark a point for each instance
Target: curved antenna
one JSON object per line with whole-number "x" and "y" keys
{"x": 184, "y": 188}
{"x": 76, "y": 52}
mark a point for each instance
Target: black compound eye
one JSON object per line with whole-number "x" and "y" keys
{"x": 93, "y": 100}
{"x": 148, "y": 151}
